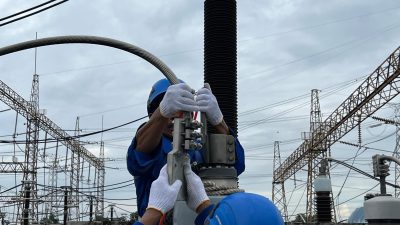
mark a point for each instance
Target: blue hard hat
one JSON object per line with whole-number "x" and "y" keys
{"x": 245, "y": 209}
{"x": 156, "y": 94}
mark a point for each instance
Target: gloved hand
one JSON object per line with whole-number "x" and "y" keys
{"x": 177, "y": 98}
{"x": 195, "y": 189}
{"x": 162, "y": 195}
{"x": 208, "y": 104}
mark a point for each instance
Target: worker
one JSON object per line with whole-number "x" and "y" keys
{"x": 148, "y": 151}
{"x": 235, "y": 209}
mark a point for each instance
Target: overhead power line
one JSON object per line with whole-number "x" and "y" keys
{"x": 244, "y": 40}
{"x": 72, "y": 137}
{"x": 27, "y": 10}
{"x": 30, "y": 14}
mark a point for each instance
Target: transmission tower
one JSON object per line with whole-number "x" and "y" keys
{"x": 53, "y": 180}
{"x": 29, "y": 206}
{"x": 397, "y": 151}
{"x": 315, "y": 123}
{"x": 100, "y": 177}
{"x": 278, "y": 187}
{"x": 377, "y": 90}
{"x": 74, "y": 179}
{"x": 313, "y": 161}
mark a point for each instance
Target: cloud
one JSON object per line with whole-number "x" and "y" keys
{"x": 285, "y": 49}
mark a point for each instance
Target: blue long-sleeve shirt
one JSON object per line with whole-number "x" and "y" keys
{"x": 146, "y": 167}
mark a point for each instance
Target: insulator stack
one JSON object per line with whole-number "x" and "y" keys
{"x": 323, "y": 187}
{"x": 220, "y": 59}
{"x": 323, "y": 204}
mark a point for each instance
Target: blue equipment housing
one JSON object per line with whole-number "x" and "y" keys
{"x": 245, "y": 208}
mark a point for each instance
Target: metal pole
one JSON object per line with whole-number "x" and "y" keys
{"x": 65, "y": 206}
{"x": 26, "y": 208}
{"x": 112, "y": 212}
{"x": 91, "y": 209}
{"x": 383, "y": 184}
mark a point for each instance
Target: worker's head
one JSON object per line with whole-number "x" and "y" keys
{"x": 156, "y": 95}
{"x": 245, "y": 208}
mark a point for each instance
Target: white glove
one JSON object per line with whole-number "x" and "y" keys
{"x": 178, "y": 98}
{"x": 162, "y": 195}
{"x": 208, "y": 104}
{"x": 195, "y": 189}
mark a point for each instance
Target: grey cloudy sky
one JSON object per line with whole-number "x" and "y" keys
{"x": 285, "y": 49}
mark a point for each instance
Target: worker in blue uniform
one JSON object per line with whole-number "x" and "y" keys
{"x": 148, "y": 151}
{"x": 235, "y": 209}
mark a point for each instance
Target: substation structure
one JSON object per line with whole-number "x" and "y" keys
{"x": 58, "y": 176}
{"x": 378, "y": 89}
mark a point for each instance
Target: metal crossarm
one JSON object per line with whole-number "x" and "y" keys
{"x": 11, "y": 167}
{"x": 25, "y": 108}
{"x": 377, "y": 90}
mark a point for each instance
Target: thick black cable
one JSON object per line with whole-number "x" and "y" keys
{"x": 31, "y": 14}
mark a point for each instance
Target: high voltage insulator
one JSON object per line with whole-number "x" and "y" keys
{"x": 386, "y": 121}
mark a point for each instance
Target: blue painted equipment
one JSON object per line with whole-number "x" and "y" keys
{"x": 245, "y": 208}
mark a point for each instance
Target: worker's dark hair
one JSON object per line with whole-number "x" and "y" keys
{"x": 156, "y": 95}
{"x": 154, "y": 104}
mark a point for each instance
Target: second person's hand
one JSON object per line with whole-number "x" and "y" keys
{"x": 197, "y": 195}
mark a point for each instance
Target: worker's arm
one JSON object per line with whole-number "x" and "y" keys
{"x": 149, "y": 136}
{"x": 150, "y": 217}
{"x": 204, "y": 213}
{"x": 222, "y": 128}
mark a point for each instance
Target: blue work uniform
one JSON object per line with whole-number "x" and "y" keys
{"x": 146, "y": 167}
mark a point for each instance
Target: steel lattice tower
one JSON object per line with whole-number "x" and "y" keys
{"x": 29, "y": 206}
{"x": 315, "y": 123}
{"x": 313, "y": 161}
{"x": 74, "y": 179}
{"x": 397, "y": 151}
{"x": 100, "y": 183}
{"x": 378, "y": 89}
{"x": 100, "y": 177}
{"x": 278, "y": 188}
{"x": 52, "y": 180}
